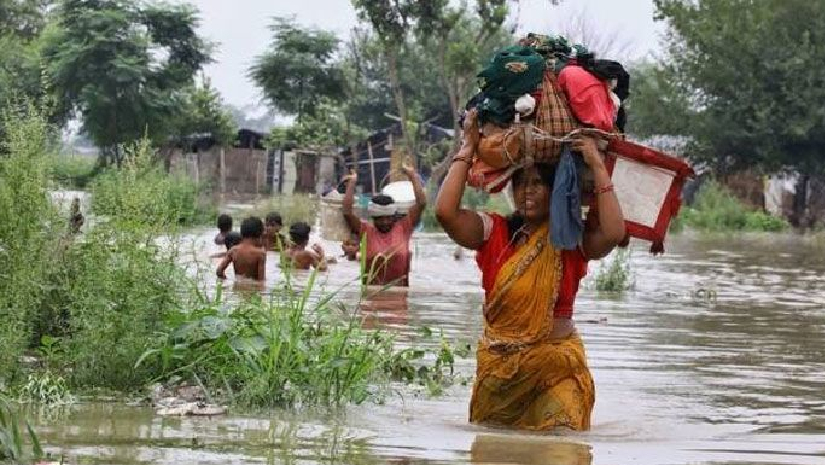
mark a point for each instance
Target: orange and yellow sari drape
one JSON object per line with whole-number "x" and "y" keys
{"x": 524, "y": 378}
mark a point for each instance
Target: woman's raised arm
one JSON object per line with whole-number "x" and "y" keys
{"x": 463, "y": 226}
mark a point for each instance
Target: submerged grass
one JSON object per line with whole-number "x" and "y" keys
{"x": 614, "y": 274}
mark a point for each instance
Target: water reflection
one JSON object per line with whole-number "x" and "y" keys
{"x": 520, "y": 450}
{"x": 384, "y": 308}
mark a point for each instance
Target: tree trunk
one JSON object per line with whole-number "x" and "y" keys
{"x": 392, "y": 62}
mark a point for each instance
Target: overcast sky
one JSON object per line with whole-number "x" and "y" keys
{"x": 239, "y": 27}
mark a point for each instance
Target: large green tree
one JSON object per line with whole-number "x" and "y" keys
{"x": 299, "y": 69}
{"x": 119, "y": 65}
{"x": 659, "y": 104}
{"x": 22, "y": 23}
{"x": 23, "y": 18}
{"x": 754, "y": 72}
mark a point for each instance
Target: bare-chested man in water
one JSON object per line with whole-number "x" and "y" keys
{"x": 247, "y": 258}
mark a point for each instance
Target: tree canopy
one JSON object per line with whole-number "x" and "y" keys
{"x": 299, "y": 69}
{"x": 120, "y": 64}
{"x": 752, "y": 74}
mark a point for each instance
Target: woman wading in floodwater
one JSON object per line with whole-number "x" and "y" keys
{"x": 532, "y": 371}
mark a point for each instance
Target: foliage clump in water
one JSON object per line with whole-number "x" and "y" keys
{"x": 614, "y": 274}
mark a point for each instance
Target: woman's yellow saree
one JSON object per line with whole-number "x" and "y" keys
{"x": 524, "y": 378}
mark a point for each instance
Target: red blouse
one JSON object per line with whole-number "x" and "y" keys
{"x": 497, "y": 250}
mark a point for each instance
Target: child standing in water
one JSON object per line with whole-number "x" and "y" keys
{"x": 273, "y": 239}
{"x": 224, "y": 227}
{"x": 248, "y": 258}
{"x": 231, "y": 240}
{"x": 303, "y": 259}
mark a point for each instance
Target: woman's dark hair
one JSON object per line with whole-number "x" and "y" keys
{"x": 299, "y": 232}
{"x": 383, "y": 200}
{"x": 232, "y": 239}
{"x": 547, "y": 173}
{"x": 224, "y": 223}
{"x": 252, "y": 228}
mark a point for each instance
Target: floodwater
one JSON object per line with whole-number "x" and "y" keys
{"x": 717, "y": 356}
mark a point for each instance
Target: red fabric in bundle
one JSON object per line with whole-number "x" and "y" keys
{"x": 588, "y": 96}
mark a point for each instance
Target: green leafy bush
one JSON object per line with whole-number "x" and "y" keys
{"x": 717, "y": 210}
{"x": 73, "y": 172}
{"x": 289, "y": 352}
{"x": 141, "y": 192}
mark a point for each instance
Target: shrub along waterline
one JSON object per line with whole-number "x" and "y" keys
{"x": 716, "y": 209}
{"x": 141, "y": 191}
{"x": 112, "y": 308}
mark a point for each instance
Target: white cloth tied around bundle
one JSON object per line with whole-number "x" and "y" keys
{"x": 376, "y": 210}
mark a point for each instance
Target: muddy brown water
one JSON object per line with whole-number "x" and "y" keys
{"x": 717, "y": 356}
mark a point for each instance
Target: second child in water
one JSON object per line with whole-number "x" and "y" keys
{"x": 303, "y": 259}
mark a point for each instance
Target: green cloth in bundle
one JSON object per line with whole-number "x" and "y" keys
{"x": 497, "y": 111}
{"x": 513, "y": 72}
{"x": 555, "y": 49}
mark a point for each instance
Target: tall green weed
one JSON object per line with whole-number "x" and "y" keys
{"x": 31, "y": 232}
{"x": 18, "y": 441}
{"x": 141, "y": 192}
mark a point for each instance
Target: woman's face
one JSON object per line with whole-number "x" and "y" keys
{"x": 531, "y": 195}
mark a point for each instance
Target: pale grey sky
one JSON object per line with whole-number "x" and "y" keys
{"x": 240, "y": 29}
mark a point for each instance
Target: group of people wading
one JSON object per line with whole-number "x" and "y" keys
{"x": 532, "y": 371}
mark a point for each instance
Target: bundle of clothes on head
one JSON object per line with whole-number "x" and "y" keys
{"x": 532, "y": 97}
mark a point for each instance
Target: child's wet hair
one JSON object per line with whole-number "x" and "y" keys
{"x": 232, "y": 239}
{"x": 224, "y": 223}
{"x": 252, "y": 228}
{"x": 299, "y": 232}
{"x": 274, "y": 218}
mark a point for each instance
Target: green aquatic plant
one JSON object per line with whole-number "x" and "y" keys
{"x": 46, "y": 388}
{"x": 18, "y": 441}
{"x": 614, "y": 274}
